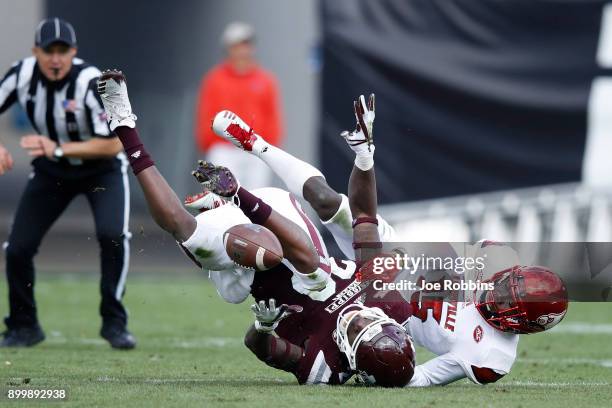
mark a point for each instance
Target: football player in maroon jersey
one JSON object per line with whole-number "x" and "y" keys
{"x": 365, "y": 335}
{"x": 328, "y": 341}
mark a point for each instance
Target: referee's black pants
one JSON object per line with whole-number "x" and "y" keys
{"x": 43, "y": 201}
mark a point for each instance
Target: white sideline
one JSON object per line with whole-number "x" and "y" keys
{"x": 528, "y": 383}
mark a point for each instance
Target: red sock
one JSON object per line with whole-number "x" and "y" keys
{"x": 137, "y": 154}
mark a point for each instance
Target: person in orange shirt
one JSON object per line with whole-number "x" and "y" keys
{"x": 241, "y": 85}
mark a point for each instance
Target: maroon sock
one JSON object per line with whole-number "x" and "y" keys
{"x": 137, "y": 154}
{"x": 253, "y": 207}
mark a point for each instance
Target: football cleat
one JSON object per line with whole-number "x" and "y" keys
{"x": 22, "y": 336}
{"x": 204, "y": 201}
{"x": 118, "y": 337}
{"x": 217, "y": 179}
{"x": 229, "y": 126}
{"x": 112, "y": 89}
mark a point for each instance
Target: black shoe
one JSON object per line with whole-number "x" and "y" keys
{"x": 22, "y": 336}
{"x": 118, "y": 337}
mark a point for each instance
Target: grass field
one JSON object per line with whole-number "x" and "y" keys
{"x": 190, "y": 353}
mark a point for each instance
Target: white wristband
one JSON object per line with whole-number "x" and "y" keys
{"x": 365, "y": 160}
{"x": 264, "y": 328}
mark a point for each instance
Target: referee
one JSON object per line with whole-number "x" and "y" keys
{"x": 73, "y": 153}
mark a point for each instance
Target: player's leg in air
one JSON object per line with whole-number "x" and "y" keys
{"x": 167, "y": 210}
{"x": 298, "y": 248}
{"x": 301, "y": 178}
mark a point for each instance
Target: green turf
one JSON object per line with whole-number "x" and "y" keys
{"x": 190, "y": 353}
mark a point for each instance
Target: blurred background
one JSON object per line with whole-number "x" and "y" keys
{"x": 493, "y": 118}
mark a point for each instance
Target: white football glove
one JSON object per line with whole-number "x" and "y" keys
{"x": 112, "y": 89}
{"x": 361, "y": 140}
{"x": 268, "y": 317}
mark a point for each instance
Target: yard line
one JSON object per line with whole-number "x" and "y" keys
{"x": 528, "y": 383}
{"x": 153, "y": 380}
{"x": 549, "y": 384}
{"x": 582, "y": 328}
{"x": 202, "y": 342}
{"x": 208, "y": 342}
{"x": 207, "y": 380}
{"x": 565, "y": 361}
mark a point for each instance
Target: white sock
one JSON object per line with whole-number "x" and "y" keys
{"x": 341, "y": 227}
{"x": 293, "y": 171}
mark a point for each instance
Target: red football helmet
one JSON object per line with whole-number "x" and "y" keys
{"x": 377, "y": 347}
{"x": 525, "y": 299}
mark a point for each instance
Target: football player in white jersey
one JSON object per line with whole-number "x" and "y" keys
{"x": 303, "y": 180}
{"x": 202, "y": 236}
{"x": 478, "y": 339}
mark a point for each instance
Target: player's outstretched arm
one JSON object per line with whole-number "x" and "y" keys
{"x": 362, "y": 182}
{"x": 445, "y": 369}
{"x": 165, "y": 207}
{"x": 274, "y": 351}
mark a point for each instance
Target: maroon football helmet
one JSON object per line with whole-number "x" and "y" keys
{"x": 525, "y": 299}
{"x": 377, "y": 347}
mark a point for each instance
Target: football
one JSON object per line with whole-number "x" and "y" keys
{"x": 253, "y": 246}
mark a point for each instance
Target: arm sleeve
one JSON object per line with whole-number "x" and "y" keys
{"x": 274, "y": 351}
{"x": 8, "y": 87}
{"x": 96, "y": 118}
{"x": 441, "y": 370}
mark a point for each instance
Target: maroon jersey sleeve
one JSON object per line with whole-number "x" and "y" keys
{"x": 276, "y": 284}
{"x": 392, "y": 303}
{"x": 322, "y": 363}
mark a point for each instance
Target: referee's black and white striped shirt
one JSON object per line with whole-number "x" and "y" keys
{"x": 65, "y": 111}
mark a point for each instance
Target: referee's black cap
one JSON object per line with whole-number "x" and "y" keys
{"x": 54, "y": 30}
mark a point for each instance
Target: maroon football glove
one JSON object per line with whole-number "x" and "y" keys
{"x": 217, "y": 179}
